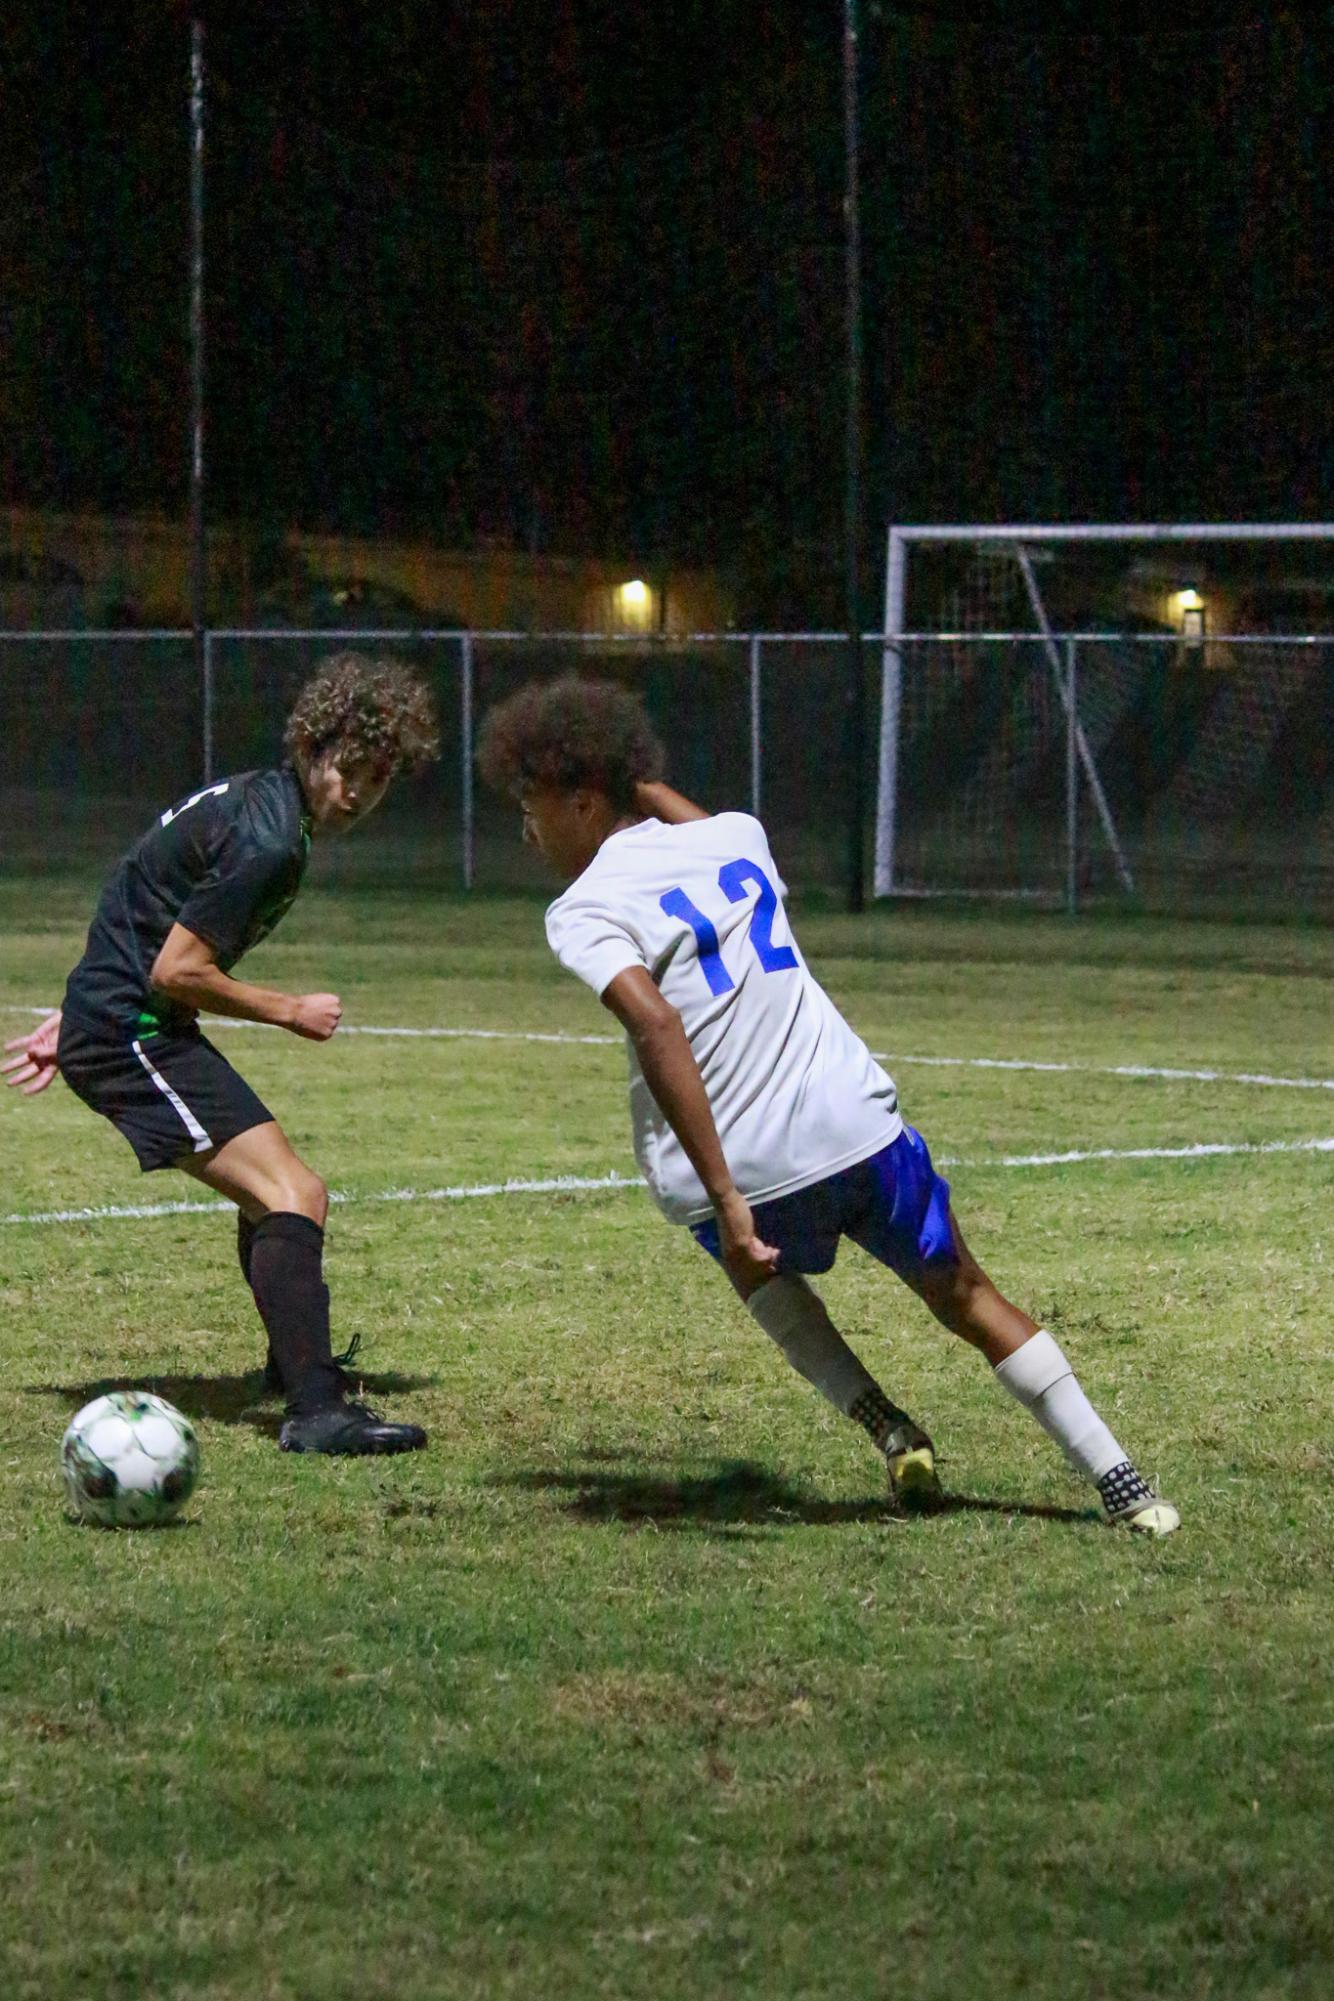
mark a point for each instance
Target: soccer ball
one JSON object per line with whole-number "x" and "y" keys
{"x": 130, "y": 1461}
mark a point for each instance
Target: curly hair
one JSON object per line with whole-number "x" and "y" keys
{"x": 354, "y": 707}
{"x": 567, "y": 734}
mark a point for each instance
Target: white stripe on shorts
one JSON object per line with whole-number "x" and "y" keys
{"x": 201, "y": 1140}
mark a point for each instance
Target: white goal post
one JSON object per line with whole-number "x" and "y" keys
{"x": 1021, "y": 540}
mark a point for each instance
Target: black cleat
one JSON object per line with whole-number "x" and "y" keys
{"x": 351, "y": 1429}
{"x": 273, "y": 1385}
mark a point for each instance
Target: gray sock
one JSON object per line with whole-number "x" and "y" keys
{"x": 794, "y": 1316}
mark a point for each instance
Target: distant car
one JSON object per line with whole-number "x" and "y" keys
{"x": 358, "y": 604}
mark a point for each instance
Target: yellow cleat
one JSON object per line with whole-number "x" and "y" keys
{"x": 911, "y": 1459}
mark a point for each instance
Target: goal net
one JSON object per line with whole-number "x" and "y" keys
{"x": 1075, "y": 711}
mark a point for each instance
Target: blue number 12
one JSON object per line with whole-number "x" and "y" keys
{"x": 731, "y": 880}
{"x": 677, "y": 904}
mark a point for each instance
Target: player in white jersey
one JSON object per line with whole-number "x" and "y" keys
{"x": 761, "y": 1120}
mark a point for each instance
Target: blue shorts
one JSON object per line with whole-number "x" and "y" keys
{"x": 894, "y": 1205}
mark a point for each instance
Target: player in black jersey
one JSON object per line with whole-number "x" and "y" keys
{"x": 209, "y": 879}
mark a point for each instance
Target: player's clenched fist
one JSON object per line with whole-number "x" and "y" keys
{"x": 317, "y": 1016}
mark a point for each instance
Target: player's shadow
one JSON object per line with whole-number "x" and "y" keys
{"x": 740, "y": 1497}
{"x": 223, "y": 1399}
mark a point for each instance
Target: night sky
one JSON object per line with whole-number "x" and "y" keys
{"x": 571, "y": 277}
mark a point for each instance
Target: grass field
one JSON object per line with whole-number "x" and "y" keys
{"x": 632, "y": 1686}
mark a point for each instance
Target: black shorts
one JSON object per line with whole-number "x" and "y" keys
{"x": 170, "y": 1095}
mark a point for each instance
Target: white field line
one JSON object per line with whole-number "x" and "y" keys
{"x": 1113, "y": 1070}
{"x": 556, "y": 1184}
{"x": 1201, "y": 1150}
{"x": 1140, "y": 1070}
{"x": 568, "y": 1183}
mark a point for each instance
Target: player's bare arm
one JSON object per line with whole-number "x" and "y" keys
{"x": 661, "y": 802}
{"x": 672, "y": 1075}
{"x": 186, "y": 970}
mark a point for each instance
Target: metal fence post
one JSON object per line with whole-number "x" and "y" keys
{"x": 755, "y": 724}
{"x": 465, "y": 776}
{"x": 1071, "y": 782}
{"x": 207, "y": 696}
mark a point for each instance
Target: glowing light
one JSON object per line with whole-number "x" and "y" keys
{"x": 1184, "y": 601}
{"x": 633, "y": 602}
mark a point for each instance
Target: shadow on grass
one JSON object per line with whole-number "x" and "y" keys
{"x": 740, "y": 1494}
{"x": 224, "y": 1399}
{"x": 177, "y": 1524}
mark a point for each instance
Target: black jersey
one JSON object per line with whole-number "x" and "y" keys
{"x": 226, "y": 863}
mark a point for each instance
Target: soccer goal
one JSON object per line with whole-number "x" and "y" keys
{"x": 1062, "y": 706}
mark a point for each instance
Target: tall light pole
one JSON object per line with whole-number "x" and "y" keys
{"x": 855, "y": 706}
{"x": 198, "y": 517}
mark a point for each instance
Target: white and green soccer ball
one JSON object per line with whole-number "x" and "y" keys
{"x": 130, "y": 1460}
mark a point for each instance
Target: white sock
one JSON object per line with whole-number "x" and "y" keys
{"x": 793, "y": 1315}
{"x": 1040, "y": 1378}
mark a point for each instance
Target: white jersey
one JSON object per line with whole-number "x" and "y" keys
{"x": 795, "y": 1094}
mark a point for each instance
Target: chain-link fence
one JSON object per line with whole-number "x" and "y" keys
{"x": 1184, "y": 776}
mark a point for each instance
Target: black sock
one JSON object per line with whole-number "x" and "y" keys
{"x": 874, "y": 1411}
{"x": 245, "y": 1242}
{"x": 286, "y": 1256}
